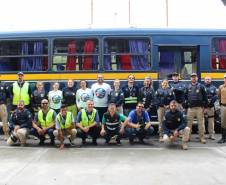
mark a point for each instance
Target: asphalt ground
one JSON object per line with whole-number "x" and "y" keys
{"x": 154, "y": 163}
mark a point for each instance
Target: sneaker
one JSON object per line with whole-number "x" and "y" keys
{"x": 184, "y": 146}
{"x": 131, "y": 141}
{"x": 212, "y": 137}
{"x": 203, "y": 141}
{"x": 161, "y": 139}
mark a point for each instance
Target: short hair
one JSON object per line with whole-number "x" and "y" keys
{"x": 63, "y": 106}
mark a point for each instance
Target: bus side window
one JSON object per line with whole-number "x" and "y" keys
{"x": 218, "y": 57}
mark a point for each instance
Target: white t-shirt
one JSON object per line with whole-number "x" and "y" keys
{"x": 100, "y": 94}
{"x": 82, "y": 96}
{"x": 55, "y": 98}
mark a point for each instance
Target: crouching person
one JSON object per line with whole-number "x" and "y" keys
{"x": 20, "y": 124}
{"x": 88, "y": 123}
{"x": 139, "y": 124}
{"x": 113, "y": 124}
{"x": 174, "y": 123}
{"x": 44, "y": 123}
{"x": 65, "y": 126}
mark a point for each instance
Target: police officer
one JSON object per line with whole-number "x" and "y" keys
{"x": 113, "y": 124}
{"x": 175, "y": 123}
{"x": 131, "y": 94}
{"x": 20, "y": 90}
{"x": 37, "y": 96}
{"x": 69, "y": 97}
{"x": 179, "y": 89}
{"x": 146, "y": 95}
{"x": 211, "y": 92}
{"x": 196, "y": 100}
{"x": 163, "y": 96}
{"x": 222, "y": 100}
{"x": 44, "y": 123}
{"x": 20, "y": 124}
{"x": 3, "y": 110}
{"x": 65, "y": 126}
{"x": 117, "y": 96}
{"x": 88, "y": 123}
{"x": 139, "y": 124}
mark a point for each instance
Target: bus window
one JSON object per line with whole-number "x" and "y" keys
{"x": 26, "y": 55}
{"x": 218, "y": 57}
{"x": 180, "y": 59}
{"x": 75, "y": 54}
{"x": 127, "y": 54}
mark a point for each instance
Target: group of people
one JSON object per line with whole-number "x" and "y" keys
{"x": 112, "y": 113}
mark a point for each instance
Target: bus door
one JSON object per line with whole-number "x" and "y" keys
{"x": 180, "y": 59}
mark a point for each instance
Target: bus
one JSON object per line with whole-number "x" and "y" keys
{"x": 81, "y": 54}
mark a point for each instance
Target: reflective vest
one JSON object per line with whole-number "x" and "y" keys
{"x": 87, "y": 120}
{"x": 21, "y": 93}
{"x": 67, "y": 123}
{"x": 49, "y": 118}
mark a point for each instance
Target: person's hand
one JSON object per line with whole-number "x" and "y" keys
{"x": 122, "y": 130}
{"x": 102, "y": 132}
{"x": 176, "y": 133}
{"x": 86, "y": 129}
{"x": 17, "y": 127}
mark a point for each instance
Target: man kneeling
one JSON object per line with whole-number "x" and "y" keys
{"x": 174, "y": 123}
{"x": 113, "y": 124}
{"x": 65, "y": 125}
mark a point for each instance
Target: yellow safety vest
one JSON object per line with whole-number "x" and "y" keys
{"x": 21, "y": 93}
{"x": 49, "y": 118}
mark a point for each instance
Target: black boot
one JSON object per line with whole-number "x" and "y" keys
{"x": 223, "y": 138}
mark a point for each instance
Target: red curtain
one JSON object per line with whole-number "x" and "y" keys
{"x": 125, "y": 62}
{"x": 71, "y": 60}
{"x": 221, "y": 48}
{"x": 89, "y": 48}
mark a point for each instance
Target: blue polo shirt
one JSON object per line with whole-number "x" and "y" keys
{"x": 133, "y": 117}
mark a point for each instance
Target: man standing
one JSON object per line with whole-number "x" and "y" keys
{"x": 101, "y": 91}
{"x": 222, "y": 99}
{"x": 211, "y": 92}
{"x": 20, "y": 124}
{"x": 113, "y": 124}
{"x": 179, "y": 89}
{"x": 3, "y": 110}
{"x": 196, "y": 100}
{"x": 131, "y": 94}
{"x": 20, "y": 90}
{"x": 44, "y": 123}
{"x": 139, "y": 124}
{"x": 65, "y": 126}
{"x": 174, "y": 123}
{"x": 88, "y": 123}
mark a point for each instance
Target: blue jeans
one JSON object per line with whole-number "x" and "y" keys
{"x": 42, "y": 137}
{"x": 140, "y": 133}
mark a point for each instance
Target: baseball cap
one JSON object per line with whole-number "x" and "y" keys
{"x": 193, "y": 74}
{"x": 175, "y": 74}
{"x": 20, "y": 73}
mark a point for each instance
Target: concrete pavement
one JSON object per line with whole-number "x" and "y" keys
{"x": 110, "y": 165}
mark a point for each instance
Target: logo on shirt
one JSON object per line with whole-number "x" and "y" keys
{"x": 100, "y": 93}
{"x": 56, "y": 99}
{"x": 85, "y": 97}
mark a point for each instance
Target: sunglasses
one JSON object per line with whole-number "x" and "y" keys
{"x": 44, "y": 103}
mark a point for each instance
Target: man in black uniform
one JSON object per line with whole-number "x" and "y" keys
{"x": 20, "y": 124}
{"x": 3, "y": 110}
{"x": 196, "y": 100}
{"x": 179, "y": 89}
{"x": 131, "y": 93}
{"x": 69, "y": 98}
{"x": 113, "y": 124}
{"x": 175, "y": 123}
{"x": 212, "y": 96}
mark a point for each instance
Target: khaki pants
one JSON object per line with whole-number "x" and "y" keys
{"x": 199, "y": 114}
{"x": 210, "y": 113}
{"x": 185, "y": 135}
{"x": 73, "y": 110}
{"x": 21, "y": 134}
{"x": 161, "y": 112}
{"x": 66, "y": 132}
{"x": 223, "y": 116}
{"x": 4, "y": 117}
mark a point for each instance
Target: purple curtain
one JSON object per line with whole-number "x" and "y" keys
{"x": 107, "y": 58}
{"x": 166, "y": 62}
{"x": 37, "y": 61}
{"x": 24, "y": 64}
{"x": 139, "y": 62}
